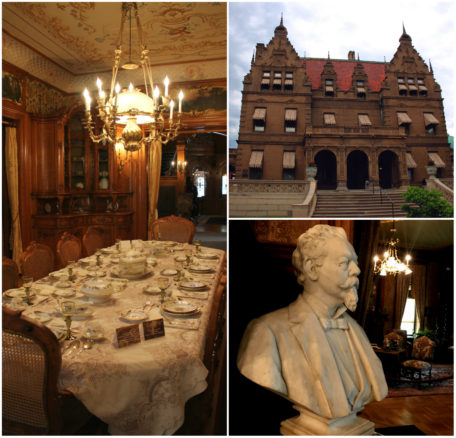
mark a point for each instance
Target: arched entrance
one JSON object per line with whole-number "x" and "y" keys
{"x": 357, "y": 170}
{"x": 388, "y": 170}
{"x": 327, "y": 170}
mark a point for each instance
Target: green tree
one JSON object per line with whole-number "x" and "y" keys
{"x": 429, "y": 203}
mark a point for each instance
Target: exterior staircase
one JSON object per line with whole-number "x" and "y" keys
{"x": 359, "y": 203}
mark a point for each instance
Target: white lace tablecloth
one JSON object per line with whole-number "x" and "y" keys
{"x": 140, "y": 389}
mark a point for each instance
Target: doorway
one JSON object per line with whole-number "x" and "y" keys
{"x": 327, "y": 170}
{"x": 357, "y": 170}
{"x": 388, "y": 170}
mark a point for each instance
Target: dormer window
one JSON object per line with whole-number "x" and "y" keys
{"x": 329, "y": 87}
{"x": 265, "y": 82}
{"x": 289, "y": 81}
{"x": 360, "y": 90}
{"x": 277, "y": 83}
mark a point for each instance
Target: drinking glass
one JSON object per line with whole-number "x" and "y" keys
{"x": 163, "y": 284}
{"x": 67, "y": 308}
{"x": 27, "y": 283}
{"x": 179, "y": 268}
{"x": 188, "y": 256}
{"x": 197, "y": 244}
{"x": 98, "y": 256}
{"x": 118, "y": 245}
{"x": 70, "y": 267}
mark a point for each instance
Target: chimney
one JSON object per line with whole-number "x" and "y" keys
{"x": 351, "y": 55}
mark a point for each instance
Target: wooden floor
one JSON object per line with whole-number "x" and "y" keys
{"x": 432, "y": 414}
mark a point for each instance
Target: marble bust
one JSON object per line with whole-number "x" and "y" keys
{"x": 312, "y": 352}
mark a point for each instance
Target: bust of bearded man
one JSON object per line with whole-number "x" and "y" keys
{"x": 312, "y": 352}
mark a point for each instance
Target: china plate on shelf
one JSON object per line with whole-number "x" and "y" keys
{"x": 207, "y": 255}
{"x": 134, "y": 315}
{"x": 192, "y": 285}
{"x": 115, "y": 272}
{"x": 168, "y": 272}
{"x": 200, "y": 269}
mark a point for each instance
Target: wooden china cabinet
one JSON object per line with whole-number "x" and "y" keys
{"x": 86, "y": 189}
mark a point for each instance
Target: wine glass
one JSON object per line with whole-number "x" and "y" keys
{"x": 179, "y": 268}
{"x": 197, "y": 244}
{"x": 118, "y": 245}
{"x": 163, "y": 284}
{"x": 70, "y": 267}
{"x": 27, "y": 283}
{"x": 67, "y": 308}
{"x": 188, "y": 256}
{"x": 98, "y": 256}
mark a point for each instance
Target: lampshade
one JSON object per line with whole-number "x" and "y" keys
{"x": 134, "y": 102}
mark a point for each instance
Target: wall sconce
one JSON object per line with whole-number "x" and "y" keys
{"x": 181, "y": 165}
{"x": 120, "y": 161}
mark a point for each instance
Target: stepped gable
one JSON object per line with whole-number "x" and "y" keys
{"x": 407, "y": 59}
{"x": 344, "y": 70}
{"x": 279, "y": 51}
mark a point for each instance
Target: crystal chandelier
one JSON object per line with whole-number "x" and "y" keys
{"x": 130, "y": 106}
{"x": 391, "y": 264}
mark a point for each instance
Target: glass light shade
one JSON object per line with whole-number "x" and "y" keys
{"x": 135, "y": 102}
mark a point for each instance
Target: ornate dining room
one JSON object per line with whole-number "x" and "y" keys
{"x": 114, "y": 193}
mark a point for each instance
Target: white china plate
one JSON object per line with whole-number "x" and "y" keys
{"x": 62, "y": 284}
{"x": 109, "y": 251}
{"x": 64, "y": 292}
{"x": 97, "y": 273}
{"x": 180, "y": 258}
{"x": 169, "y": 243}
{"x": 207, "y": 255}
{"x": 17, "y": 293}
{"x": 41, "y": 316}
{"x": 44, "y": 289}
{"x": 192, "y": 285}
{"x": 201, "y": 269}
{"x": 61, "y": 276}
{"x": 16, "y": 305}
{"x": 134, "y": 315}
{"x": 168, "y": 272}
{"x": 115, "y": 272}
{"x": 179, "y": 307}
{"x": 152, "y": 290}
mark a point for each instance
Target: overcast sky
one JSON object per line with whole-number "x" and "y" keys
{"x": 371, "y": 29}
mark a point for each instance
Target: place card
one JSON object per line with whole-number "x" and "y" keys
{"x": 128, "y": 335}
{"x": 153, "y": 329}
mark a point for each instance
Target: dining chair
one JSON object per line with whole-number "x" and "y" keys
{"x": 420, "y": 361}
{"x": 36, "y": 261}
{"x": 92, "y": 240}
{"x": 10, "y": 274}
{"x": 31, "y": 362}
{"x": 173, "y": 228}
{"x": 68, "y": 248}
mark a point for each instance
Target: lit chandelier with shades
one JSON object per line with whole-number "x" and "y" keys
{"x": 130, "y": 106}
{"x": 390, "y": 264}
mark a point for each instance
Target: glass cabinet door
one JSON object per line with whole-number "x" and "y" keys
{"x": 75, "y": 155}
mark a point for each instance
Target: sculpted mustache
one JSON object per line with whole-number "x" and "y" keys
{"x": 351, "y": 282}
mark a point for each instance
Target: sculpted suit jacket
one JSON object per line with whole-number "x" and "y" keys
{"x": 287, "y": 351}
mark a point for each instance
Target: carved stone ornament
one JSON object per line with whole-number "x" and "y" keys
{"x": 312, "y": 352}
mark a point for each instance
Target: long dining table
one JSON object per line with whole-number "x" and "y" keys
{"x": 140, "y": 388}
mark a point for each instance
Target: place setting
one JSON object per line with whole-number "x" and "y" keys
{"x": 181, "y": 314}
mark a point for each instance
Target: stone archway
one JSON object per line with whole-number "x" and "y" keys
{"x": 327, "y": 170}
{"x": 357, "y": 170}
{"x": 388, "y": 170}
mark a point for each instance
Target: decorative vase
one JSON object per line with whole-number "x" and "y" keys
{"x": 311, "y": 172}
{"x": 103, "y": 183}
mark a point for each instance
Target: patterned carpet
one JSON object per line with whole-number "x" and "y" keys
{"x": 441, "y": 382}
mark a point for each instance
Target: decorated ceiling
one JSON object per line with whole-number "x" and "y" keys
{"x": 80, "y": 37}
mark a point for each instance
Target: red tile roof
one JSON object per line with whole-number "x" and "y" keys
{"x": 375, "y": 72}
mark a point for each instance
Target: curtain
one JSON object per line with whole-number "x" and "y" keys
{"x": 402, "y": 287}
{"x": 12, "y": 176}
{"x": 419, "y": 289}
{"x": 367, "y": 236}
{"x": 153, "y": 181}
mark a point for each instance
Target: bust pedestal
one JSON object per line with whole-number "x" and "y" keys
{"x": 308, "y": 423}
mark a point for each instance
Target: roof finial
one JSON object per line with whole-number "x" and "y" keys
{"x": 328, "y": 55}
{"x": 281, "y": 18}
{"x": 253, "y": 57}
{"x": 430, "y": 67}
{"x": 403, "y": 28}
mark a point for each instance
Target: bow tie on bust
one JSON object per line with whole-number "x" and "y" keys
{"x": 339, "y": 323}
